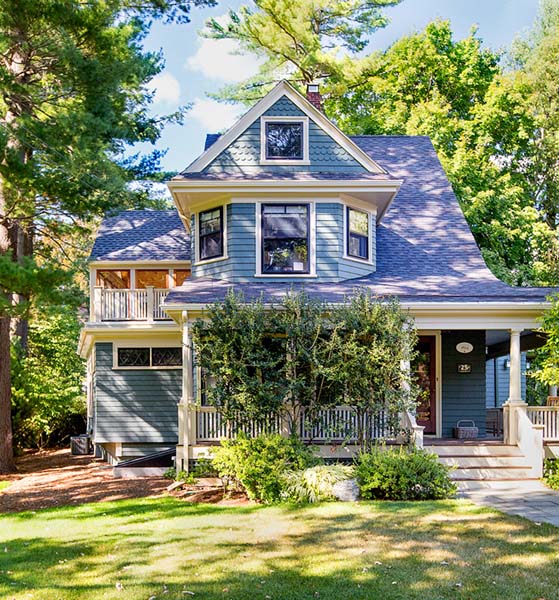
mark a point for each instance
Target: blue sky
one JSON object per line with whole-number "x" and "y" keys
{"x": 195, "y": 66}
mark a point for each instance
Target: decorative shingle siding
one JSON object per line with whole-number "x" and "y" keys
{"x": 324, "y": 153}
{"x": 135, "y": 406}
{"x": 463, "y": 394}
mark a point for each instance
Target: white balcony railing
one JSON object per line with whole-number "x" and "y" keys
{"x": 128, "y": 305}
{"x": 548, "y": 416}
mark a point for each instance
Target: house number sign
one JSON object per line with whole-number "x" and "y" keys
{"x": 464, "y": 347}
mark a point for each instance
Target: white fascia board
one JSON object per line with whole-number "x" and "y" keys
{"x": 281, "y": 89}
{"x": 134, "y": 264}
{"x": 107, "y": 331}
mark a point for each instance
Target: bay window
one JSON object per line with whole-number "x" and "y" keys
{"x": 357, "y": 233}
{"x": 285, "y": 238}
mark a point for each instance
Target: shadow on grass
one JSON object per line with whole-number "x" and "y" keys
{"x": 350, "y": 551}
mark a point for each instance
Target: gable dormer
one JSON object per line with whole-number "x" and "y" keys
{"x": 283, "y": 195}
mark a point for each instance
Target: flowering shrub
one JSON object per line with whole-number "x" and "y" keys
{"x": 403, "y": 474}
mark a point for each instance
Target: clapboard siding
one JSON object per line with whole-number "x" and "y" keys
{"x": 243, "y": 154}
{"x": 135, "y": 406}
{"x": 498, "y": 377}
{"x": 463, "y": 395}
{"x": 240, "y": 266}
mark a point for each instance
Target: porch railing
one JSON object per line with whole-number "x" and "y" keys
{"x": 128, "y": 305}
{"x": 548, "y": 417}
{"x": 335, "y": 425}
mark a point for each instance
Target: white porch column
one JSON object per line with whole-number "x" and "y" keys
{"x": 514, "y": 402}
{"x": 187, "y": 398}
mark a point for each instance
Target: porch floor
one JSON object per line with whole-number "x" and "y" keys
{"x": 489, "y": 441}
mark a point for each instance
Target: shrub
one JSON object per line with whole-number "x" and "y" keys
{"x": 551, "y": 473}
{"x": 315, "y": 483}
{"x": 258, "y": 464}
{"x": 403, "y": 474}
{"x": 171, "y": 473}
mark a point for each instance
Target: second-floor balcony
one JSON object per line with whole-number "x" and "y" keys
{"x": 128, "y": 305}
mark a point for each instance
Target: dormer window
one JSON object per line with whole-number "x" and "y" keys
{"x": 210, "y": 235}
{"x": 357, "y": 234}
{"x": 284, "y": 140}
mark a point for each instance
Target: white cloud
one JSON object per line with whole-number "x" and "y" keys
{"x": 214, "y": 116}
{"x": 166, "y": 87}
{"x": 215, "y": 59}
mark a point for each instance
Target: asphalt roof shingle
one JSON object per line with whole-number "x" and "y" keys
{"x": 425, "y": 249}
{"x": 142, "y": 235}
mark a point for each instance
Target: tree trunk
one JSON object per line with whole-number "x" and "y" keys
{"x": 7, "y": 464}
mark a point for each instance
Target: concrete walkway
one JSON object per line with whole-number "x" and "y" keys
{"x": 529, "y": 499}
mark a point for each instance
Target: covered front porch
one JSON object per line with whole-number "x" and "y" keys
{"x": 455, "y": 342}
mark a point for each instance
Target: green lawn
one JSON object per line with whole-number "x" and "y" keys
{"x": 164, "y": 548}
{"x": 4, "y": 485}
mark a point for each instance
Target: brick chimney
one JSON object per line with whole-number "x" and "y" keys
{"x": 313, "y": 95}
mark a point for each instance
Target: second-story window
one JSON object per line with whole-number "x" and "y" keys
{"x": 358, "y": 233}
{"x": 210, "y": 235}
{"x": 285, "y": 238}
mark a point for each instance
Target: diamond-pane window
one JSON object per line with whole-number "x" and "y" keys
{"x": 284, "y": 141}
{"x": 133, "y": 357}
{"x": 166, "y": 357}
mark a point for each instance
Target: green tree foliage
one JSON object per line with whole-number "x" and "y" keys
{"x": 302, "y": 356}
{"x": 370, "y": 342}
{"x": 301, "y": 40}
{"x": 493, "y": 122}
{"x": 73, "y": 96}
{"x": 548, "y": 356}
{"x": 47, "y": 396}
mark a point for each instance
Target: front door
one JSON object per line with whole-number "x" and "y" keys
{"x": 423, "y": 368}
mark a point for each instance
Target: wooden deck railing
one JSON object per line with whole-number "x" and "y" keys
{"x": 335, "y": 425}
{"x": 548, "y": 416}
{"x": 128, "y": 305}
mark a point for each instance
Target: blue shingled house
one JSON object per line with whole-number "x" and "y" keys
{"x": 285, "y": 199}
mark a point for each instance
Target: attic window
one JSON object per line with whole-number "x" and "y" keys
{"x": 284, "y": 140}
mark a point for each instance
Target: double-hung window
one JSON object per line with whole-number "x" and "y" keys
{"x": 285, "y": 238}
{"x": 357, "y": 233}
{"x": 210, "y": 236}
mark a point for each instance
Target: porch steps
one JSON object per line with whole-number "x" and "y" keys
{"x": 479, "y": 465}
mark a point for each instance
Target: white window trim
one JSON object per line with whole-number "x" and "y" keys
{"x": 312, "y": 239}
{"x": 207, "y": 261}
{"x": 371, "y": 218}
{"x": 267, "y": 161}
{"x": 142, "y": 344}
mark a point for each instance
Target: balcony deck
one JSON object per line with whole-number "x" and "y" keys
{"x": 117, "y": 305}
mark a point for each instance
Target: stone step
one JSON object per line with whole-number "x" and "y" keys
{"x": 492, "y": 474}
{"x": 506, "y": 485}
{"x": 456, "y": 450}
{"x": 467, "y": 462}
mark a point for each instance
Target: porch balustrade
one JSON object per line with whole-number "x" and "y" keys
{"x": 335, "y": 425}
{"x": 128, "y": 305}
{"x": 548, "y": 417}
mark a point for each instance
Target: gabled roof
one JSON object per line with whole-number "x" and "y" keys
{"x": 142, "y": 235}
{"x": 425, "y": 249}
{"x": 282, "y": 89}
